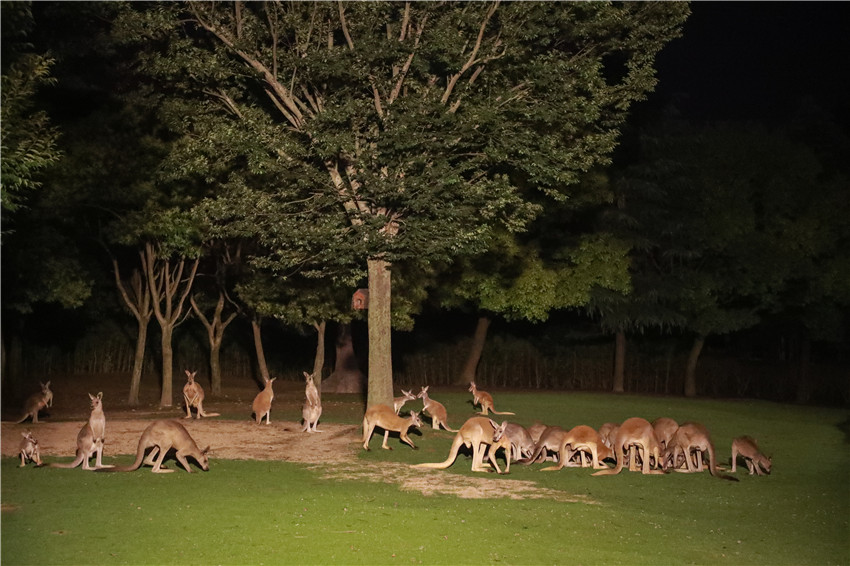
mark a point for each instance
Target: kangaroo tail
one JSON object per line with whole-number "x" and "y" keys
{"x": 616, "y": 469}
{"x": 445, "y": 426}
{"x": 502, "y": 413}
{"x": 712, "y": 467}
{"x": 140, "y": 455}
{"x": 210, "y": 414}
{"x": 77, "y": 461}
{"x": 448, "y": 461}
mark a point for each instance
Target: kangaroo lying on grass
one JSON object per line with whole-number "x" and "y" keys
{"x": 193, "y": 396}
{"x": 29, "y": 450}
{"x": 37, "y": 402}
{"x": 694, "y": 437}
{"x": 634, "y": 432}
{"x": 477, "y": 433}
{"x": 262, "y": 405}
{"x": 162, "y": 436}
{"x": 747, "y": 448}
{"x": 398, "y": 402}
{"x": 90, "y": 438}
{"x": 484, "y": 399}
{"x": 582, "y": 438}
{"x": 384, "y": 417}
{"x": 435, "y": 409}
{"x": 312, "y": 409}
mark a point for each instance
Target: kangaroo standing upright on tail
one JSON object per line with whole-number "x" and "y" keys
{"x": 747, "y": 448}
{"x": 484, "y": 399}
{"x": 29, "y": 450}
{"x": 163, "y": 436}
{"x": 262, "y": 405}
{"x": 90, "y": 438}
{"x": 384, "y": 417}
{"x": 193, "y": 396}
{"x": 312, "y": 409}
{"x": 477, "y": 433}
{"x": 436, "y": 409}
{"x": 37, "y": 402}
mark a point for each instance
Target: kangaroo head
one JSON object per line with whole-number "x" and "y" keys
{"x": 499, "y": 430}
{"x": 472, "y": 386}
{"x": 308, "y": 378}
{"x": 190, "y": 376}
{"x": 45, "y": 387}
{"x": 415, "y": 419}
{"x": 96, "y": 401}
{"x": 203, "y": 459}
{"x": 422, "y": 393}
{"x": 28, "y": 435}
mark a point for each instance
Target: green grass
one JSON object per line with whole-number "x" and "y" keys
{"x": 275, "y": 512}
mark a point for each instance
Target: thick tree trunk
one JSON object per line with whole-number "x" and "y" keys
{"x": 138, "y": 362}
{"x": 258, "y": 346}
{"x": 380, "y": 330}
{"x": 346, "y": 376}
{"x": 476, "y": 348}
{"x": 166, "y": 400}
{"x": 691, "y": 368}
{"x": 619, "y": 361}
{"x": 319, "y": 360}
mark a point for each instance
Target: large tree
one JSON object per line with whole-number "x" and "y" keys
{"x": 422, "y": 118}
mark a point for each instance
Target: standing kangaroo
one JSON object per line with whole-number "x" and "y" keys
{"x": 312, "y": 409}
{"x": 29, "y": 450}
{"x": 634, "y": 432}
{"x": 476, "y": 433}
{"x": 163, "y": 436}
{"x": 398, "y": 402}
{"x": 694, "y": 437}
{"x": 37, "y": 402}
{"x": 193, "y": 396}
{"x": 262, "y": 405}
{"x": 90, "y": 438}
{"x": 580, "y": 439}
{"x": 384, "y": 417}
{"x": 747, "y": 448}
{"x": 484, "y": 399}
{"x": 435, "y": 409}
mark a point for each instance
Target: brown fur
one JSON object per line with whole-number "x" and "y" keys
{"x": 550, "y": 441}
{"x": 193, "y": 396}
{"x": 664, "y": 429}
{"x": 747, "y": 448}
{"x": 634, "y": 432}
{"x": 398, "y": 402}
{"x": 37, "y": 402}
{"x": 29, "y": 450}
{"x": 384, "y": 417}
{"x": 476, "y": 433}
{"x": 90, "y": 439}
{"x": 484, "y": 399}
{"x": 522, "y": 444}
{"x": 694, "y": 437}
{"x": 608, "y": 432}
{"x": 580, "y": 439}
{"x": 262, "y": 405}
{"x": 435, "y": 409}
{"x": 312, "y": 409}
{"x": 162, "y": 436}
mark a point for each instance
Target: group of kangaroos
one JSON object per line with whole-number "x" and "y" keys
{"x": 651, "y": 448}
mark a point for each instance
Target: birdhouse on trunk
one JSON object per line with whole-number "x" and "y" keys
{"x": 360, "y": 300}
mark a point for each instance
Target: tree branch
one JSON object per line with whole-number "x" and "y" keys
{"x": 473, "y": 56}
{"x": 345, "y": 26}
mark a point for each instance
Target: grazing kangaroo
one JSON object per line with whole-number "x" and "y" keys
{"x": 37, "y": 402}
{"x": 747, "y": 448}
{"x": 550, "y": 440}
{"x": 608, "y": 432}
{"x": 262, "y": 405}
{"x": 522, "y": 444}
{"x": 163, "y": 436}
{"x": 694, "y": 437}
{"x": 435, "y": 409}
{"x": 29, "y": 450}
{"x": 384, "y": 417}
{"x": 634, "y": 432}
{"x": 477, "y": 433}
{"x": 398, "y": 402}
{"x": 312, "y": 409}
{"x": 484, "y": 399}
{"x": 664, "y": 429}
{"x": 536, "y": 431}
{"x": 580, "y": 439}
{"x": 193, "y": 396}
{"x": 90, "y": 438}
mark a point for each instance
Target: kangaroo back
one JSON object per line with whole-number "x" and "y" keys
{"x": 263, "y": 402}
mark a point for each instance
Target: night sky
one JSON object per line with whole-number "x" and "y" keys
{"x": 758, "y": 60}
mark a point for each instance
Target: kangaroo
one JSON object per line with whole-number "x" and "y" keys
{"x": 634, "y": 432}
{"x": 90, "y": 438}
{"x": 536, "y": 431}
{"x": 37, "y": 402}
{"x": 484, "y": 399}
{"x": 476, "y": 433}
{"x": 312, "y": 409}
{"x": 384, "y": 417}
{"x": 665, "y": 429}
{"x": 193, "y": 396}
{"x": 435, "y": 409}
{"x": 522, "y": 444}
{"x": 695, "y": 437}
{"x": 162, "y": 436}
{"x": 747, "y": 448}
{"x": 398, "y": 402}
{"x": 582, "y": 438}
{"x": 29, "y": 450}
{"x": 550, "y": 440}
{"x": 608, "y": 432}
{"x": 262, "y": 405}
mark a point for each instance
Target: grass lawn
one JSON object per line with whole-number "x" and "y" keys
{"x": 276, "y": 512}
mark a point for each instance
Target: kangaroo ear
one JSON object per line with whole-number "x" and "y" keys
{"x": 306, "y": 374}
{"x": 205, "y": 450}
{"x": 494, "y": 423}
{"x": 100, "y": 395}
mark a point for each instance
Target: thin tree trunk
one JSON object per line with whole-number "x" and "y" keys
{"x": 319, "y": 360}
{"x": 258, "y": 346}
{"x": 167, "y": 398}
{"x": 140, "y": 305}
{"x": 380, "y": 329}
{"x": 479, "y": 339}
{"x": 691, "y": 368}
{"x": 215, "y": 334}
{"x": 138, "y": 362}
{"x": 619, "y": 361}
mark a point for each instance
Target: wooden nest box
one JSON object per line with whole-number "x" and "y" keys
{"x": 360, "y": 299}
